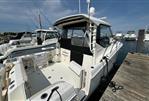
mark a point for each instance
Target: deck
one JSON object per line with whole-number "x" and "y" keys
{"x": 132, "y": 80}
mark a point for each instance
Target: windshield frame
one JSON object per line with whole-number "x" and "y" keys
{"x": 100, "y": 39}
{"x": 66, "y": 41}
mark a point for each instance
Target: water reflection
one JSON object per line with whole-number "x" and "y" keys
{"x": 132, "y": 46}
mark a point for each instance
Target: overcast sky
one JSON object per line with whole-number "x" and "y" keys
{"x": 22, "y": 15}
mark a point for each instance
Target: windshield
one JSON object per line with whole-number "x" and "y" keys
{"x": 39, "y": 33}
{"x": 34, "y": 35}
{"x": 27, "y": 35}
{"x": 47, "y": 34}
{"x": 50, "y": 35}
{"x": 131, "y": 32}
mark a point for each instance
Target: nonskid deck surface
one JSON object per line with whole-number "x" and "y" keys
{"x": 40, "y": 78}
{"x": 36, "y": 81}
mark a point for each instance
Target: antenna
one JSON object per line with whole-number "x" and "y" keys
{"x": 79, "y": 6}
{"x": 88, "y": 7}
{"x": 146, "y": 27}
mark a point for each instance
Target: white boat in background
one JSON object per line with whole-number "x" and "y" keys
{"x": 40, "y": 41}
{"x": 24, "y": 36}
{"x": 85, "y": 54}
{"x": 146, "y": 35}
{"x": 130, "y": 36}
{"x": 118, "y": 35}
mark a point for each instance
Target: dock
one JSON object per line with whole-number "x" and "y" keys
{"x": 131, "y": 81}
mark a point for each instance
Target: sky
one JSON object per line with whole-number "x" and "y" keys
{"x": 22, "y": 15}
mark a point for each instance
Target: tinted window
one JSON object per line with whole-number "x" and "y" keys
{"x": 50, "y": 35}
{"x": 131, "y": 32}
{"x": 103, "y": 35}
{"x": 76, "y": 34}
{"x": 1, "y": 54}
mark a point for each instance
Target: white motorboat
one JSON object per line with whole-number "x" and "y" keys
{"x": 130, "y": 36}
{"x": 25, "y": 37}
{"x": 42, "y": 40}
{"x": 85, "y": 54}
{"x": 119, "y": 35}
{"x": 146, "y": 35}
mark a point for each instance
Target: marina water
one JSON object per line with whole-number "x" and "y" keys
{"x": 132, "y": 46}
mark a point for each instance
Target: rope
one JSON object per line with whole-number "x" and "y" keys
{"x": 115, "y": 86}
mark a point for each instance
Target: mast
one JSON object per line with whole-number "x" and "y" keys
{"x": 40, "y": 24}
{"x": 40, "y": 27}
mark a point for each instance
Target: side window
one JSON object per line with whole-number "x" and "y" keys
{"x": 50, "y": 35}
{"x": 64, "y": 33}
{"x": 69, "y": 33}
{"x": 105, "y": 31}
{"x": 103, "y": 35}
{"x": 47, "y": 36}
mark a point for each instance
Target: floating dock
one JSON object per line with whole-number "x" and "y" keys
{"x": 131, "y": 82}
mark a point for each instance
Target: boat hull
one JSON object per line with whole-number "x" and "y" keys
{"x": 96, "y": 81}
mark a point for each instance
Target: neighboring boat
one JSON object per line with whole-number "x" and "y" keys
{"x": 85, "y": 54}
{"x": 146, "y": 35}
{"x": 24, "y": 37}
{"x": 118, "y": 35}
{"x": 130, "y": 36}
{"x": 42, "y": 40}
{"x": 47, "y": 36}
